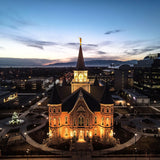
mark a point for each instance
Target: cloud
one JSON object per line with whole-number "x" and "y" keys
{"x": 113, "y": 31}
{"x": 142, "y": 50}
{"x": 101, "y": 52}
{"x": 30, "y": 42}
{"x": 105, "y": 43}
{"x": 86, "y": 47}
{"x": 33, "y": 42}
{"x": 1, "y": 47}
{"x": 13, "y": 21}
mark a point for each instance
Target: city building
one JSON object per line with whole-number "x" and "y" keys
{"x": 147, "y": 76}
{"x": 123, "y": 77}
{"x": 81, "y": 112}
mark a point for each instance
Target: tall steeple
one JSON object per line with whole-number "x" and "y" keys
{"x": 106, "y": 98}
{"x": 80, "y": 61}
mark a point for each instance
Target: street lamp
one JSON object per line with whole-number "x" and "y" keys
{"x": 27, "y": 152}
{"x": 135, "y": 137}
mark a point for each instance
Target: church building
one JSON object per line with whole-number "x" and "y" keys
{"x": 81, "y": 112}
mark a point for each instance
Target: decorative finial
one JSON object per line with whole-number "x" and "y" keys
{"x": 80, "y": 40}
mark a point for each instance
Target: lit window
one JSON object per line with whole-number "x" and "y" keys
{"x": 59, "y": 121}
{"x": 95, "y": 132}
{"x": 66, "y": 132}
{"x": 95, "y": 119}
{"x": 54, "y": 121}
{"x": 66, "y": 120}
{"x": 102, "y": 120}
{"x": 81, "y": 121}
{"x": 107, "y": 121}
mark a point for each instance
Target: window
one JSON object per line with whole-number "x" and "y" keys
{"x": 87, "y": 122}
{"x": 54, "y": 110}
{"x": 66, "y": 120}
{"x": 87, "y": 133}
{"x": 95, "y": 132}
{"x": 66, "y": 132}
{"x": 74, "y": 123}
{"x": 59, "y": 110}
{"x": 102, "y": 120}
{"x": 107, "y": 121}
{"x": 107, "y": 109}
{"x": 96, "y": 119}
{"x": 54, "y": 121}
{"x": 59, "y": 121}
{"x": 81, "y": 121}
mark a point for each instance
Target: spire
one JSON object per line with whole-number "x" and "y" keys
{"x": 55, "y": 99}
{"x": 64, "y": 83}
{"x": 106, "y": 98}
{"x": 96, "y": 82}
{"x": 80, "y": 62}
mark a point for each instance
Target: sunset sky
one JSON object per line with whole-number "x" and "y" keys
{"x": 50, "y": 29}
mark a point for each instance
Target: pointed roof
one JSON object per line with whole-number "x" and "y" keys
{"x": 55, "y": 99}
{"x": 106, "y": 98}
{"x": 69, "y": 103}
{"x": 96, "y": 82}
{"x": 80, "y": 61}
{"x": 64, "y": 83}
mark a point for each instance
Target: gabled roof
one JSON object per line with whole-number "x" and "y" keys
{"x": 80, "y": 61}
{"x": 106, "y": 98}
{"x": 69, "y": 103}
{"x": 55, "y": 99}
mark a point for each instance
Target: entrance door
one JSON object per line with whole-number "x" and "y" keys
{"x": 81, "y": 136}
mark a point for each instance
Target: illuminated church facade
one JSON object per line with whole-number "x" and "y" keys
{"x": 85, "y": 113}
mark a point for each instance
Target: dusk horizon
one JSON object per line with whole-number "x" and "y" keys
{"x": 110, "y": 30}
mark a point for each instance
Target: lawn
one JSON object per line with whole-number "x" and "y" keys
{"x": 145, "y": 145}
{"x": 122, "y": 134}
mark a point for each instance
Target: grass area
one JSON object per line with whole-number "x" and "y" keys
{"x": 122, "y": 134}
{"x": 99, "y": 146}
{"x": 40, "y": 134}
{"x": 148, "y": 145}
{"x": 20, "y": 149}
{"x": 62, "y": 146}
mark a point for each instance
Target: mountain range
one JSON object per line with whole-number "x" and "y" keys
{"x": 42, "y": 62}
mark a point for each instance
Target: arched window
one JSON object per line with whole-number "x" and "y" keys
{"x": 95, "y": 121}
{"x": 107, "y": 109}
{"x": 107, "y": 121}
{"x": 102, "y": 120}
{"x": 59, "y": 121}
{"x": 87, "y": 122}
{"x": 66, "y": 120}
{"x": 81, "y": 121}
{"x": 66, "y": 132}
{"x": 54, "y": 121}
{"x": 74, "y": 122}
{"x": 54, "y": 110}
{"x": 95, "y": 131}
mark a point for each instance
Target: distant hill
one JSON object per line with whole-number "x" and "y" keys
{"x": 23, "y": 62}
{"x": 40, "y": 62}
{"x": 97, "y": 63}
